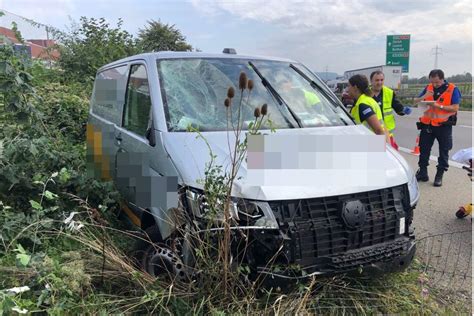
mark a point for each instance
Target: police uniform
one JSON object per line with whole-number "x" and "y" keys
{"x": 436, "y": 123}
{"x": 364, "y": 108}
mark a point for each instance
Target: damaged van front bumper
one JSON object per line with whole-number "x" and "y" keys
{"x": 383, "y": 258}
{"x": 365, "y": 232}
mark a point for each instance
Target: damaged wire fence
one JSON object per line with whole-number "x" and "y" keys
{"x": 446, "y": 259}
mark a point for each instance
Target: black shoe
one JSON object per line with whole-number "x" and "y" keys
{"x": 438, "y": 181}
{"x": 422, "y": 174}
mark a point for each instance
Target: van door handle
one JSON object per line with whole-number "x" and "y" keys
{"x": 118, "y": 139}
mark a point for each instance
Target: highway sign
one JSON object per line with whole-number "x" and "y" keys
{"x": 398, "y": 51}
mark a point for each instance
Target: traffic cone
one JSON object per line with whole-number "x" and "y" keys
{"x": 416, "y": 149}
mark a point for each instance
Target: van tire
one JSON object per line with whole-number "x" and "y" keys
{"x": 147, "y": 239}
{"x": 155, "y": 258}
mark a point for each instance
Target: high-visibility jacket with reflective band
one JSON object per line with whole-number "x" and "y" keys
{"x": 388, "y": 117}
{"x": 436, "y": 116}
{"x": 311, "y": 97}
{"x": 370, "y": 102}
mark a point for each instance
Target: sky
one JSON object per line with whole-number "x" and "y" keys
{"x": 325, "y": 35}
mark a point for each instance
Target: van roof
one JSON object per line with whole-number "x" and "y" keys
{"x": 170, "y": 54}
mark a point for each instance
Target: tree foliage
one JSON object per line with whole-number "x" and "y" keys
{"x": 92, "y": 44}
{"x": 158, "y": 36}
{"x": 465, "y": 77}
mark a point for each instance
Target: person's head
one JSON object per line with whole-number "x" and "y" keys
{"x": 376, "y": 79}
{"x": 358, "y": 84}
{"x": 436, "y": 77}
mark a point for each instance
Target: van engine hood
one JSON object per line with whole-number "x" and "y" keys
{"x": 336, "y": 172}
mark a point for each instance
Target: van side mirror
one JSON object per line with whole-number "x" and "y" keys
{"x": 150, "y": 135}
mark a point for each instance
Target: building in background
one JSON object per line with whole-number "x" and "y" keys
{"x": 34, "y": 48}
{"x": 392, "y": 74}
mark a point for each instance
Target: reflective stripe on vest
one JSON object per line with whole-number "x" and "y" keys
{"x": 388, "y": 117}
{"x": 373, "y": 105}
{"x": 435, "y": 116}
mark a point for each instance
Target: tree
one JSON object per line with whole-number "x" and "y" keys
{"x": 157, "y": 36}
{"x": 90, "y": 45}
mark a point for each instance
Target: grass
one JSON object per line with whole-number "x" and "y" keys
{"x": 71, "y": 276}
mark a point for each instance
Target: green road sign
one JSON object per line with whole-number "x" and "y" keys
{"x": 398, "y": 51}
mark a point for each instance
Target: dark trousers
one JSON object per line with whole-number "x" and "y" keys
{"x": 444, "y": 136}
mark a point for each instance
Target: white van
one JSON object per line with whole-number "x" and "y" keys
{"x": 324, "y": 193}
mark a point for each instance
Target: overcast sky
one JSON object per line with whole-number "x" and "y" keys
{"x": 337, "y": 34}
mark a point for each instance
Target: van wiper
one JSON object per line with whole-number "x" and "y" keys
{"x": 276, "y": 95}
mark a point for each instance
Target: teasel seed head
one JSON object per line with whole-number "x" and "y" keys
{"x": 264, "y": 110}
{"x": 230, "y": 92}
{"x": 242, "y": 81}
{"x": 256, "y": 113}
{"x": 250, "y": 84}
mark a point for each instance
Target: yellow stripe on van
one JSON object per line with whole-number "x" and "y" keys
{"x": 94, "y": 140}
{"x": 133, "y": 217}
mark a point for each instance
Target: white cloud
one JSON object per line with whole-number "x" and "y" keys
{"x": 348, "y": 28}
{"x": 358, "y": 20}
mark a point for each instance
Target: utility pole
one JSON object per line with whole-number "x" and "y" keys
{"x": 326, "y": 72}
{"x": 436, "y": 51}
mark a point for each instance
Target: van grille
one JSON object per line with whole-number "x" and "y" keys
{"x": 316, "y": 227}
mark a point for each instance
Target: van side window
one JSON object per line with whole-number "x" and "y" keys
{"x": 109, "y": 93}
{"x": 137, "y": 108}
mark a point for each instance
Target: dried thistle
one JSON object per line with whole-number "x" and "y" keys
{"x": 227, "y": 102}
{"x": 242, "y": 81}
{"x": 264, "y": 110}
{"x": 230, "y": 92}
{"x": 256, "y": 113}
{"x": 250, "y": 84}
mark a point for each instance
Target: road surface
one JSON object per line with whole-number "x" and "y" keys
{"x": 406, "y": 132}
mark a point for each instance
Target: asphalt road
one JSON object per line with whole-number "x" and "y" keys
{"x": 406, "y": 132}
{"x": 444, "y": 241}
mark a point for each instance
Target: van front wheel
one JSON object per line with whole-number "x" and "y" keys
{"x": 156, "y": 258}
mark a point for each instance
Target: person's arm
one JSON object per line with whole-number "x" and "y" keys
{"x": 377, "y": 127}
{"x": 397, "y": 106}
{"x": 448, "y": 108}
{"x": 424, "y": 94}
{"x": 367, "y": 114}
{"x": 455, "y": 101}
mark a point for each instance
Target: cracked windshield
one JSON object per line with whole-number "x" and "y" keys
{"x": 194, "y": 91}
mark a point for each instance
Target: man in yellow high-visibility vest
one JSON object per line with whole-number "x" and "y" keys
{"x": 388, "y": 102}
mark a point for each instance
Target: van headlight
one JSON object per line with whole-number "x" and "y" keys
{"x": 413, "y": 190}
{"x": 201, "y": 208}
{"x": 245, "y": 212}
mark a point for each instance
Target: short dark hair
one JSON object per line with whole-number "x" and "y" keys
{"x": 436, "y": 73}
{"x": 377, "y": 72}
{"x": 362, "y": 83}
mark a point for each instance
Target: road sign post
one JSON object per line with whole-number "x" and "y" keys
{"x": 398, "y": 51}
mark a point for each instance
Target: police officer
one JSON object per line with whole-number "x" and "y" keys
{"x": 387, "y": 101}
{"x": 365, "y": 110}
{"x": 437, "y": 123}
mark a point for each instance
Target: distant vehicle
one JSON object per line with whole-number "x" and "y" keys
{"x": 337, "y": 85}
{"x": 393, "y": 74}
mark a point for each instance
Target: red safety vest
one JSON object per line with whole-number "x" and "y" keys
{"x": 436, "y": 116}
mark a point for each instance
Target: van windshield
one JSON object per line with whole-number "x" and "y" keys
{"x": 194, "y": 89}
